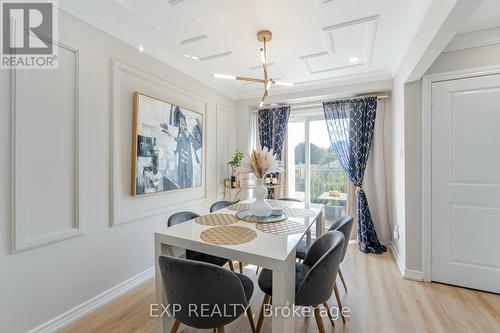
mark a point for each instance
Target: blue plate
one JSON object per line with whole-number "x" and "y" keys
{"x": 247, "y": 216}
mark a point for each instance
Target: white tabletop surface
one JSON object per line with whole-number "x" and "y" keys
{"x": 265, "y": 245}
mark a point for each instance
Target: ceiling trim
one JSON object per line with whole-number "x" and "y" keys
{"x": 215, "y": 56}
{"x": 349, "y": 23}
{"x": 314, "y": 55}
{"x": 474, "y": 39}
{"x": 369, "y": 45}
{"x": 373, "y": 18}
{"x": 194, "y": 39}
{"x": 175, "y": 2}
{"x": 332, "y": 68}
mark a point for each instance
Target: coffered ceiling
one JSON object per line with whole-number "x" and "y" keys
{"x": 315, "y": 43}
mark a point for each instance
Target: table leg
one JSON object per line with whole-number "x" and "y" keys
{"x": 320, "y": 224}
{"x": 284, "y": 296}
{"x": 308, "y": 239}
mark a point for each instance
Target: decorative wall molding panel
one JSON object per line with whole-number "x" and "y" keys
{"x": 47, "y": 147}
{"x": 223, "y": 153}
{"x": 125, "y": 80}
{"x": 474, "y": 39}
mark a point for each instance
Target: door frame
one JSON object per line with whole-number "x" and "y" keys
{"x": 427, "y": 81}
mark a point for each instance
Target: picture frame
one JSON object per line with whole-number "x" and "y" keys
{"x": 168, "y": 146}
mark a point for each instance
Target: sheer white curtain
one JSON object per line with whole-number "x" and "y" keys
{"x": 375, "y": 184}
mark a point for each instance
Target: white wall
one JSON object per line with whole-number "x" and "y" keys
{"x": 397, "y": 175}
{"x": 39, "y": 284}
{"x": 413, "y": 179}
{"x": 475, "y": 57}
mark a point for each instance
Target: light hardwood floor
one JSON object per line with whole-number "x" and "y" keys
{"x": 379, "y": 298}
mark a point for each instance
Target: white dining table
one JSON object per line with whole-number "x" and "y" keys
{"x": 268, "y": 250}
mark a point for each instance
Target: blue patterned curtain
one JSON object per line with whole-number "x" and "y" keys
{"x": 272, "y": 128}
{"x": 350, "y": 123}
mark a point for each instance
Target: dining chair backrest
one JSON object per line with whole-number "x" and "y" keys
{"x": 181, "y": 217}
{"x": 290, "y": 199}
{"x": 191, "y": 286}
{"x": 344, "y": 225}
{"x": 220, "y": 205}
{"x": 324, "y": 259}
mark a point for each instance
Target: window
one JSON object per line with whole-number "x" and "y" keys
{"x": 314, "y": 171}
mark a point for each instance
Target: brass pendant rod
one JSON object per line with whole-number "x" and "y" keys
{"x": 250, "y": 79}
{"x": 265, "y": 58}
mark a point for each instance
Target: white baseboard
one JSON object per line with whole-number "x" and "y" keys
{"x": 94, "y": 303}
{"x": 395, "y": 254}
{"x": 408, "y": 274}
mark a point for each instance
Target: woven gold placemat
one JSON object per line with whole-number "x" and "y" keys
{"x": 228, "y": 235}
{"x": 239, "y": 207}
{"x": 216, "y": 219}
{"x": 282, "y": 228}
{"x": 280, "y": 203}
{"x": 299, "y": 212}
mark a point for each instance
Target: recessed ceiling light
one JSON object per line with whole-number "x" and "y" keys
{"x": 191, "y": 57}
{"x": 354, "y": 59}
{"x": 141, "y": 48}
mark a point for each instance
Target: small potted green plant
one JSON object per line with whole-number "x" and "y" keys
{"x": 235, "y": 162}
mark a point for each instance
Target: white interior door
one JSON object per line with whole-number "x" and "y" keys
{"x": 466, "y": 182}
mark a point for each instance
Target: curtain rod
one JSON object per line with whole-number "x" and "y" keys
{"x": 308, "y": 105}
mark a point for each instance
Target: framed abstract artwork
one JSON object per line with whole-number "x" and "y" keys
{"x": 168, "y": 146}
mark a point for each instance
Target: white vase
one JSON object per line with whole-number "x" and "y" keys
{"x": 260, "y": 207}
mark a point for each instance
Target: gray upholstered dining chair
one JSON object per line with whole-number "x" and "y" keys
{"x": 182, "y": 217}
{"x": 220, "y": 205}
{"x": 195, "y": 286}
{"x": 344, "y": 225}
{"x": 314, "y": 277}
{"x": 290, "y": 199}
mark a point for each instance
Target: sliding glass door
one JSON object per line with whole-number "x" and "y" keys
{"x": 314, "y": 171}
